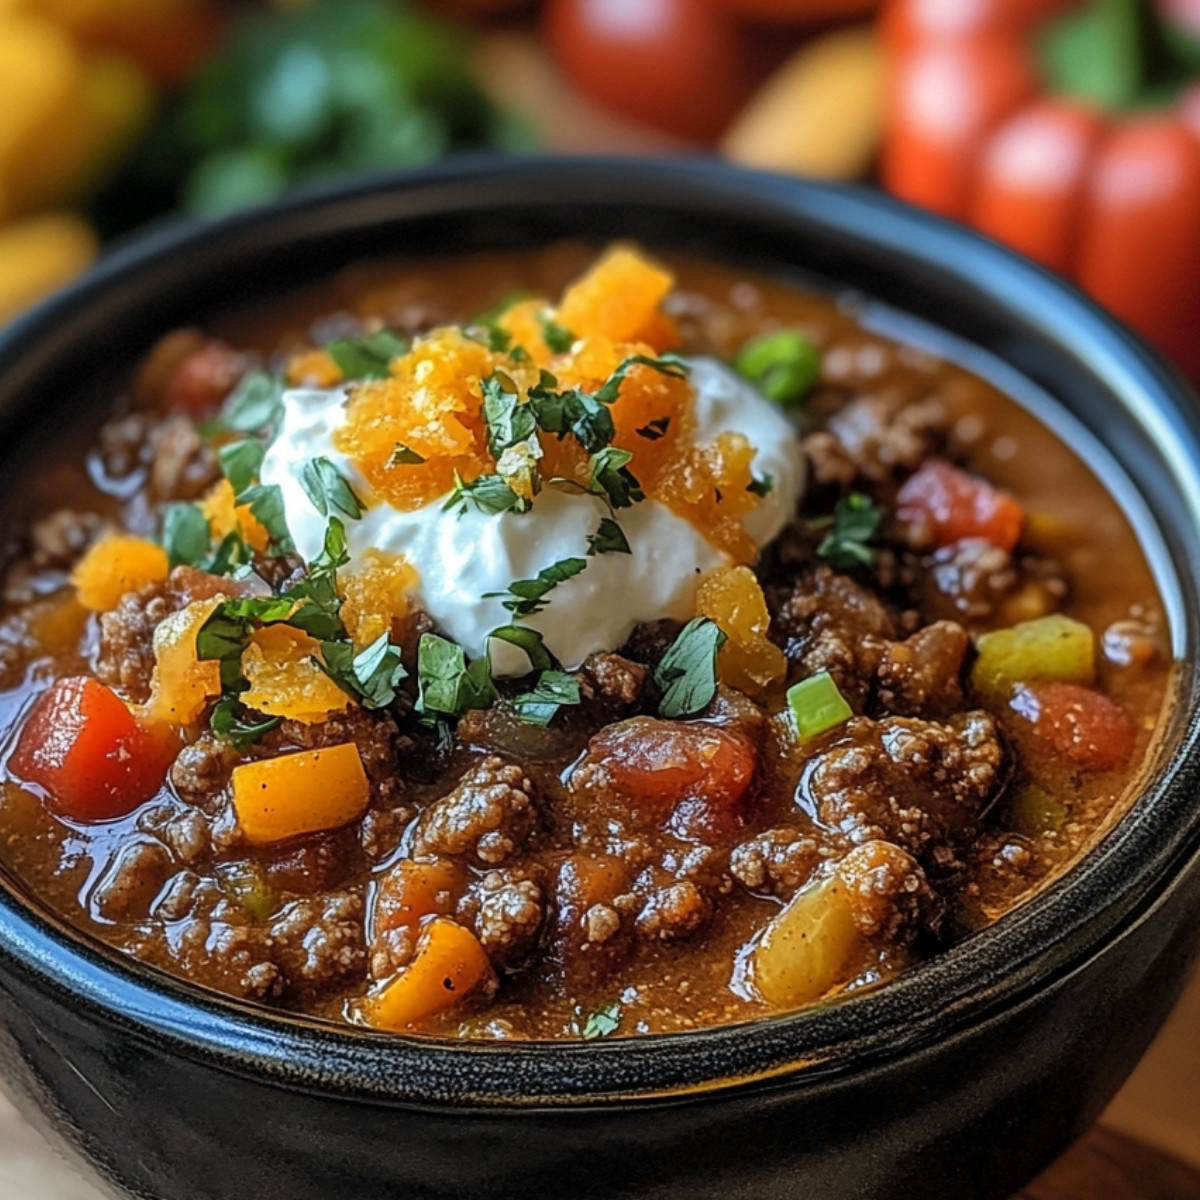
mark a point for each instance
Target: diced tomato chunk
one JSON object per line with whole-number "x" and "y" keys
{"x": 694, "y": 776}
{"x": 1079, "y": 723}
{"x": 951, "y": 505}
{"x": 95, "y": 759}
{"x": 201, "y": 382}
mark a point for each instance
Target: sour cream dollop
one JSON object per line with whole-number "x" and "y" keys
{"x": 460, "y": 557}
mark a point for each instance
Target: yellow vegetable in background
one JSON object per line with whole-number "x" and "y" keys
{"x": 820, "y": 114}
{"x": 749, "y": 661}
{"x": 182, "y": 685}
{"x": 40, "y": 254}
{"x": 314, "y": 790}
{"x": 1050, "y": 648}
{"x": 115, "y": 565}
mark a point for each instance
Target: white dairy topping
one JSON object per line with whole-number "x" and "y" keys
{"x": 461, "y": 557}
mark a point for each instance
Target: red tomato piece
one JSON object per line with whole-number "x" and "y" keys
{"x": 950, "y": 505}
{"x": 677, "y": 65}
{"x": 694, "y": 776}
{"x": 1078, "y": 723}
{"x": 203, "y": 379}
{"x": 798, "y": 12}
{"x": 93, "y": 757}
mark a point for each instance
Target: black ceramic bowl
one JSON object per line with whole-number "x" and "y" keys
{"x": 961, "y": 1078}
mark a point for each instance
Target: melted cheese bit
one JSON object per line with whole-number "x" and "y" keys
{"x": 461, "y": 557}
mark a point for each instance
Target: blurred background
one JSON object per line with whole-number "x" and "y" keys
{"x": 1068, "y": 128}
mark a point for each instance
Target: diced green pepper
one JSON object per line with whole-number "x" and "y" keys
{"x": 246, "y": 884}
{"x": 817, "y": 705}
{"x": 783, "y": 366}
{"x": 1047, "y": 648}
{"x": 1032, "y": 811}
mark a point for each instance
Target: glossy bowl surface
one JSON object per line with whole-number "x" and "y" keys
{"x": 962, "y": 1077}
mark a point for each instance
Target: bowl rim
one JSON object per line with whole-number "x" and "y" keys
{"x": 1044, "y": 938}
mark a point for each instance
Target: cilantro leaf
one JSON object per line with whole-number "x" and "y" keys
{"x": 231, "y": 554}
{"x": 612, "y": 477}
{"x": 367, "y": 357}
{"x": 447, "y": 684}
{"x": 403, "y": 455}
{"x": 855, "y": 521}
{"x": 763, "y": 486}
{"x": 526, "y": 596}
{"x": 572, "y": 412}
{"x": 529, "y": 640}
{"x": 553, "y": 690}
{"x": 602, "y": 1022}
{"x": 489, "y": 494}
{"x": 687, "y": 674}
{"x": 370, "y": 676}
{"x": 609, "y": 538}
{"x": 241, "y": 462}
{"x": 254, "y": 406}
{"x": 229, "y": 724}
{"x": 558, "y": 339}
{"x": 328, "y": 489}
{"x": 668, "y": 364}
{"x": 266, "y": 505}
{"x": 185, "y": 535}
{"x": 507, "y": 419}
{"x": 655, "y": 429}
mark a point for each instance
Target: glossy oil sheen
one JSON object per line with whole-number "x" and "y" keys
{"x": 961, "y": 1078}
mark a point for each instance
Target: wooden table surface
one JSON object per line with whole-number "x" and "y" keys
{"x": 1147, "y": 1146}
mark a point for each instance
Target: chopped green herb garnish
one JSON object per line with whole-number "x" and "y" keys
{"x": 448, "y": 685}
{"x": 572, "y": 412}
{"x": 241, "y": 462}
{"x": 526, "y": 596}
{"x": 367, "y": 357}
{"x": 254, "y": 406}
{"x": 229, "y": 724}
{"x": 612, "y": 477}
{"x": 855, "y": 521}
{"x": 655, "y": 429}
{"x": 558, "y": 340}
{"x": 553, "y": 691}
{"x": 403, "y": 455}
{"x": 602, "y": 1022}
{"x": 489, "y": 494}
{"x": 784, "y": 365}
{"x": 529, "y": 640}
{"x": 817, "y": 706}
{"x": 507, "y": 418}
{"x": 519, "y": 354}
{"x": 266, "y": 505}
{"x": 185, "y": 535}
{"x": 687, "y": 674}
{"x": 668, "y": 364}
{"x": 370, "y": 676}
{"x": 231, "y": 554}
{"x": 609, "y": 538}
{"x": 329, "y": 490}
{"x": 763, "y": 486}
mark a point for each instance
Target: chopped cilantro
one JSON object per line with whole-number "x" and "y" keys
{"x": 612, "y": 477}
{"x": 229, "y": 724}
{"x": 783, "y": 365}
{"x": 266, "y": 506}
{"x": 855, "y": 521}
{"x": 687, "y": 674}
{"x": 403, "y": 455}
{"x": 655, "y": 429}
{"x": 254, "y": 406}
{"x": 609, "y": 538}
{"x": 527, "y": 596}
{"x": 553, "y": 690}
{"x": 447, "y": 684}
{"x": 185, "y": 535}
{"x": 572, "y": 412}
{"x": 367, "y": 357}
{"x": 558, "y": 340}
{"x": 668, "y": 364}
{"x": 529, "y": 640}
{"x": 241, "y": 462}
{"x": 763, "y": 486}
{"x": 370, "y": 676}
{"x": 230, "y": 555}
{"x": 329, "y": 490}
{"x": 507, "y": 418}
{"x": 489, "y": 494}
{"x": 602, "y": 1022}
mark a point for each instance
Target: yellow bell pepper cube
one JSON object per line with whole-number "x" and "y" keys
{"x": 117, "y": 564}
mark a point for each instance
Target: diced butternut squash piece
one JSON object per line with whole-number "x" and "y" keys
{"x": 413, "y": 889}
{"x": 618, "y": 298}
{"x": 224, "y": 517}
{"x": 809, "y": 947}
{"x": 281, "y": 798}
{"x": 58, "y": 626}
{"x": 117, "y": 564}
{"x": 375, "y": 595}
{"x": 1053, "y": 648}
{"x": 448, "y": 966}
{"x": 285, "y": 681}
{"x": 749, "y": 661}
{"x": 182, "y": 686}
{"x": 313, "y": 368}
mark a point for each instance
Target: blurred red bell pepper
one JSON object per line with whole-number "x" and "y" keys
{"x": 1069, "y": 131}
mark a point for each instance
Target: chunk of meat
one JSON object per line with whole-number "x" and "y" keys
{"x": 201, "y": 770}
{"x": 611, "y": 678}
{"x": 58, "y": 541}
{"x": 320, "y": 941}
{"x": 126, "y": 891}
{"x": 183, "y": 466}
{"x": 889, "y": 896}
{"x": 778, "y": 861}
{"x": 675, "y": 911}
{"x": 919, "y": 784}
{"x": 506, "y": 909}
{"x": 976, "y": 582}
{"x": 923, "y": 675}
{"x": 589, "y": 937}
{"x": 489, "y": 815}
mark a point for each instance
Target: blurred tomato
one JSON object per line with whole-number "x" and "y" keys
{"x": 678, "y": 65}
{"x": 797, "y": 12}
